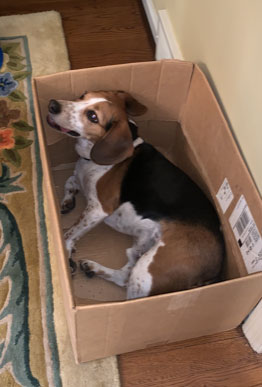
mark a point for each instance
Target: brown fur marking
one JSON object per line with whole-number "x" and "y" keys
{"x": 109, "y": 186}
{"x": 191, "y": 257}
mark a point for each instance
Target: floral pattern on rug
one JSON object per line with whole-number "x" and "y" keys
{"x": 28, "y": 351}
{"x": 11, "y": 86}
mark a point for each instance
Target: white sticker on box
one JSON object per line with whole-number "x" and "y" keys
{"x": 225, "y": 195}
{"x": 247, "y": 235}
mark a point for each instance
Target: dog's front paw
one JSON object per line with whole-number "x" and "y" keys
{"x": 68, "y": 205}
{"x": 73, "y": 266}
{"x": 88, "y": 268}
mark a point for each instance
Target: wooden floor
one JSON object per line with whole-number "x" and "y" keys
{"x": 104, "y": 32}
{"x": 98, "y": 32}
{"x": 224, "y": 359}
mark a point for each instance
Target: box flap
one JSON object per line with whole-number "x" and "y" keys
{"x": 218, "y": 157}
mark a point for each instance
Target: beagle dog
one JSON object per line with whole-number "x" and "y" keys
{"x": 128, "y": 184}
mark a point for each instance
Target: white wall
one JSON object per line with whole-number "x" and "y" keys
{"x": 225, "y": 38}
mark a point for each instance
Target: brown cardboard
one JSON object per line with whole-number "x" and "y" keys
{"x": 185, "y": 122}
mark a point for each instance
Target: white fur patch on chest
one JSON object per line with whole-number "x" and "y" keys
{"x": 87, "y": 174}
{"x": 83, "y": 147}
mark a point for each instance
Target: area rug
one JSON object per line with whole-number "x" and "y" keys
{"x": 34, "y": 342}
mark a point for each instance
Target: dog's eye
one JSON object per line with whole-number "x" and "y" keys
{"x": 91, "y": 115}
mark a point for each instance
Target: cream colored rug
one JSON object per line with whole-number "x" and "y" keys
{"x": 34, "y": 343}
{"x": 44, "y": 31}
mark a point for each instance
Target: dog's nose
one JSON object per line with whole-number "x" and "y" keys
{"x": 54, "y": 106}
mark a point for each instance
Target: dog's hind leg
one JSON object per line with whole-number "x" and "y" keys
{"x": 71, "y": 189}
{"x": 146, "y": 233}
{"x": 140, "y": 281}
{"x": 144, "y": 230}
{"x": 121, "y": 276}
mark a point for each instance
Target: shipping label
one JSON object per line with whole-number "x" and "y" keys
{"x": 225, "y": 195}
{"x": 247, "y": 236}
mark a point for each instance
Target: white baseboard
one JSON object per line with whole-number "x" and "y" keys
{"x": 152, "y": 17}
{"x": 167, "y": 37}
{"x": 167, "y": 46}
{"x": 252, "y": 328}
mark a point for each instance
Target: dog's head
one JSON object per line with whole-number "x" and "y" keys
{"x": 100, "y": 117}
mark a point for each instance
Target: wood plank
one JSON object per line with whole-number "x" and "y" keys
{"x": 219, "y": 360}
{"x": 98, "y": 32}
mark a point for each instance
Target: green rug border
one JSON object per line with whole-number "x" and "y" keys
{"x": 42, "y": 223}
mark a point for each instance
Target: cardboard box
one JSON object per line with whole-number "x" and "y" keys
{"x": 186, "y": 123}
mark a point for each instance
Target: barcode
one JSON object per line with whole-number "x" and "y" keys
{"x": 247, "y": 235}
{"x": 255, "y": 234}
{"x": 242, "y": 222}
{"x": 248, "y": 241}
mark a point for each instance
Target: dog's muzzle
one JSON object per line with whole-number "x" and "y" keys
{"x": 54, "y": 108}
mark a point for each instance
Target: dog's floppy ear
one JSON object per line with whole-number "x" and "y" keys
{"x": 115, "y": 146}
{"x": 133, "y": 107}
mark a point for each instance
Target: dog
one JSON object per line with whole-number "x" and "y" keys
{"x": 133, "y": 188}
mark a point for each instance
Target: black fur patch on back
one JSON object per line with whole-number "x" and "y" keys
{"x": 158, "y": 189}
